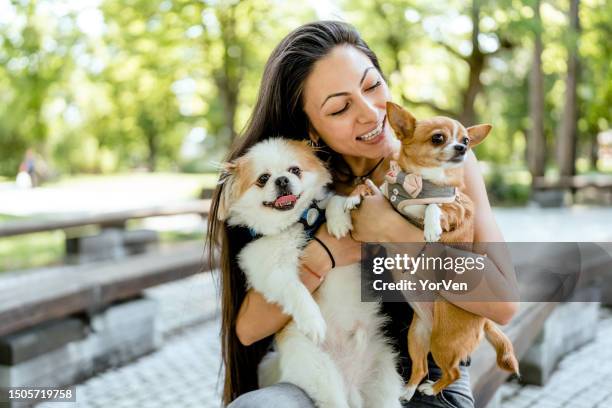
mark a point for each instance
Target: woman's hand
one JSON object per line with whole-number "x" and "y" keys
{"x": 345, "y": 250}
{"x": 377, "y": 221}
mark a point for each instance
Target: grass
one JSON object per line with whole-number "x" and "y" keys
{"x": 32, "y": 250}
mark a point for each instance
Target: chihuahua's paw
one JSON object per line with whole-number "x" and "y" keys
{"x": 408, "y": 392}
{"x": 432, "y": 231}
{"x": 313, "y": 327}
{"x": 426, "y": 388}
{"x": 339, "y": 225}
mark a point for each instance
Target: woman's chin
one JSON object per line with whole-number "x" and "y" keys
{"x": 383, "y": 148}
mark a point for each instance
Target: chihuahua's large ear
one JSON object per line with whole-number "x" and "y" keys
{"x": 478, "y": 133}
{"x": 402, "y": 122}
{"x": 227, "y": 183}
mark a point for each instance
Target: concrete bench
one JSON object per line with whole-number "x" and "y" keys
{"x": 61, "y": 325}
{"x": 558, "y": 192}
{"x": 112, "y": 239}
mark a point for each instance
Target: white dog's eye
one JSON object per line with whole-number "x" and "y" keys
{"x": 295, "y": 170}
{"x": 466, "y": 141}
{"x": 261, "y": 181}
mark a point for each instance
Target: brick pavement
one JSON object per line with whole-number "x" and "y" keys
{"x": 582, "y": 380}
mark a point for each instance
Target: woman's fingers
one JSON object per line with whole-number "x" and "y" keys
{"x": 373, "y": 187}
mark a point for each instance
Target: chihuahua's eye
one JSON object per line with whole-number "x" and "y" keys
{"x": 437, "y": 139}
{"x": 261, "y": 181}
{"x": 466, "y": 141}
{"x": 295, "y": 170}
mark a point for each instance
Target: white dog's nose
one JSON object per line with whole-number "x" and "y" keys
{"x": 282, "y": 182}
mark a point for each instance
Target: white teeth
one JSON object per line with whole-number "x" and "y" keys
{"x": 372, "y": 134}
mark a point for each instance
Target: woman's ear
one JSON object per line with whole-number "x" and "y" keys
{"x": 227, "y": 182}
{"x": 313, "y": 136}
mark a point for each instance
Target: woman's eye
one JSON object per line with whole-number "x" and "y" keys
{"x": 437, "y": 139}
{"x": 341, "y": 110}
{"x": 261, "y": 181}
{"x": 295, "y": 170}
{"x": 376, "y": 85}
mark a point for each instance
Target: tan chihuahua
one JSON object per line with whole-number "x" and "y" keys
{"x": 424, "y": 186}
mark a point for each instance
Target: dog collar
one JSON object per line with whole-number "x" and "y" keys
{"x": 311, "y": 218}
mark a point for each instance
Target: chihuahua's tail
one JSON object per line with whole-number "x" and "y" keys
{"x": 506, "y": 359}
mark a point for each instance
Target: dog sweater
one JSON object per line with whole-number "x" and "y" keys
{"x": 405, "y": 189}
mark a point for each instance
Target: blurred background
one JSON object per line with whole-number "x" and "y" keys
{"x": 113, "y": 113}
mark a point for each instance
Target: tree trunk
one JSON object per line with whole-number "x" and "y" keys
{"x": 568, "y": 129}
{"x": 229, "y": 75}
{"x": 476, "y": 60}
{"x": 152, "y": 144}
{"x": 536, "y": 142}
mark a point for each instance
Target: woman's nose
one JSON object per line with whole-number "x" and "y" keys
{"x": 367, "y": 111}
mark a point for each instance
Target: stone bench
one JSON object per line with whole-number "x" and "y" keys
{"x": 558, "y": 192}
{"x": 61, "y": 325}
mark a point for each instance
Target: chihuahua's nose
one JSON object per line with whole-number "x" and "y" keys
{"x": 282, "y": 182}
{"x": 460, "y": 148}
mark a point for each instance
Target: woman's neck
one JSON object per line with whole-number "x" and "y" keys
{"x": 361, "y": 166}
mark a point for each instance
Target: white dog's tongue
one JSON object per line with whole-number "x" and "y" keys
{"x": 284, "y": 200}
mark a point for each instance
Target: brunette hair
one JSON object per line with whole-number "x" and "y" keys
{"x": 277, "y": 112}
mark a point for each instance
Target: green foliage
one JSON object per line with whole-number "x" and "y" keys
{"x": 121, "y": 86}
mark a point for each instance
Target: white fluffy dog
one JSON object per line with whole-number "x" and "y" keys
{"x": 333, "y": 348}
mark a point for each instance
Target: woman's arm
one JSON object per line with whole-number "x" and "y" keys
{"x": 377, "y": 221}
{"x": 501, "y": 276}
{"x": 258, "y": 319}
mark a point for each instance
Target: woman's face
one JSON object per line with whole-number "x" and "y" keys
{"x": 345, "y": 99}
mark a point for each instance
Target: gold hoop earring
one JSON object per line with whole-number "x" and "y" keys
{"x": 313, "y": 143}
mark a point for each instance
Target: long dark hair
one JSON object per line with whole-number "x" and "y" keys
{"x": 277, "y": 112}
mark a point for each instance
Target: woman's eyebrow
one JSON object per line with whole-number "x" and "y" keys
{"x": 346, "y": 93}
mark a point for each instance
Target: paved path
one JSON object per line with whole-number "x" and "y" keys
{"x": 582, "y": 380}
{"x": 575, "y": 224}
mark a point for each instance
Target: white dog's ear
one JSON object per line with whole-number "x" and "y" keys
{"x": 227, "y": 182}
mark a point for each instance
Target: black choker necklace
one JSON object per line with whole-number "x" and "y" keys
{"x": 360, "y": 179}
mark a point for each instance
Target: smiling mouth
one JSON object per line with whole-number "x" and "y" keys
{"x": 374, "y": 132}
{"x": 283, "y": 203}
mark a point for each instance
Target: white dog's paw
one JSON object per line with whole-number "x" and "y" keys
{"x": 352, "y": 202}
{"x": 432, "y": 231}
{"x": 426, "y": 388}
{"x": 313, "y": 327}
{"x": 408, "y": 392}
{"x": 339, "y": 225}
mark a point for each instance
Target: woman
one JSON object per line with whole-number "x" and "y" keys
{"x": 322, "y": 83}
